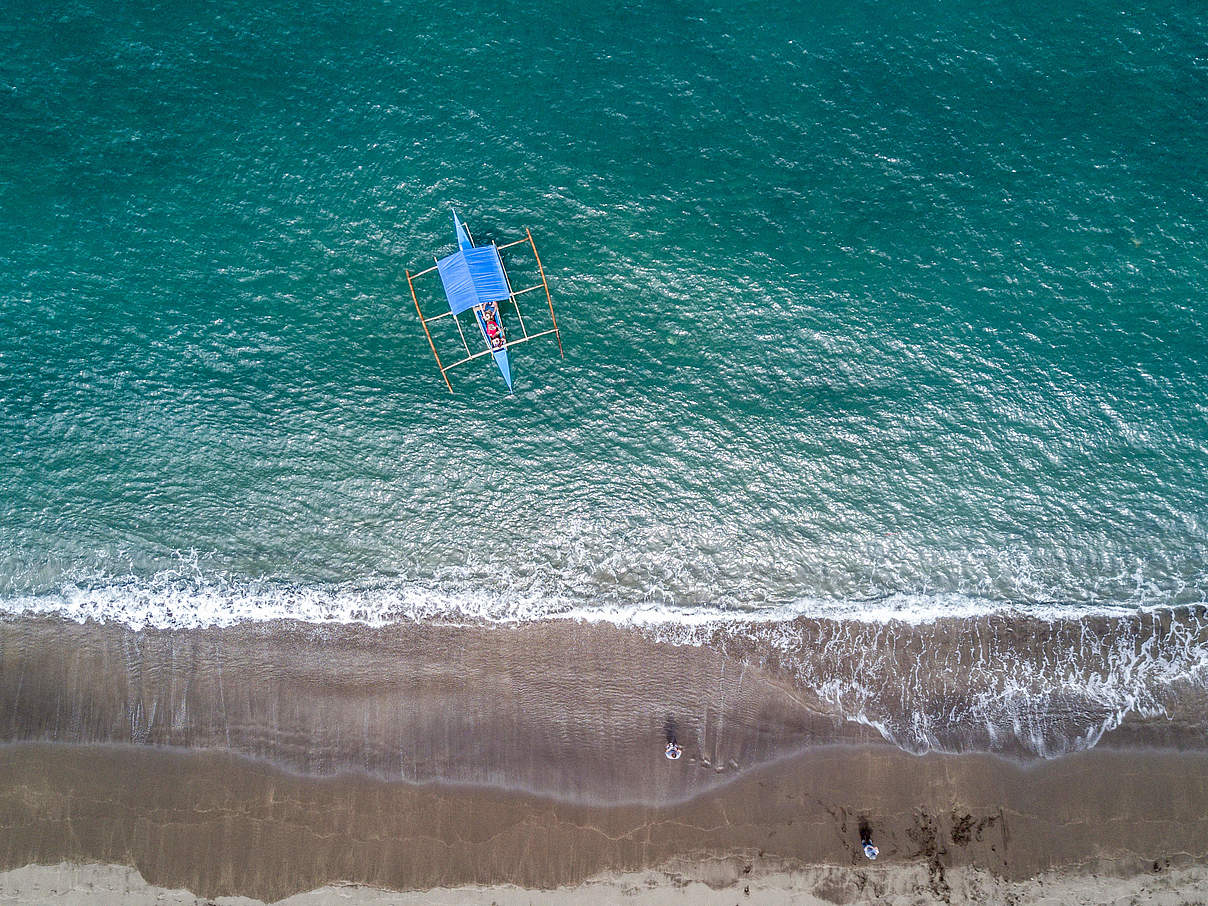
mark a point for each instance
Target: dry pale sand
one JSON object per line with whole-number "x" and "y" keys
{"x": 68, "y": 884}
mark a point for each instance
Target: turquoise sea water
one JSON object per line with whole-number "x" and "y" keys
{"x": 867, "y": 310}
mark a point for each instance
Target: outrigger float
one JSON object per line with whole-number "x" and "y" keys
{"x": 474, "y": 280}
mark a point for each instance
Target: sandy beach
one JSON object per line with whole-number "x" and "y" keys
{"x": 220, "y": 825}
{"x": 273, "y": 761}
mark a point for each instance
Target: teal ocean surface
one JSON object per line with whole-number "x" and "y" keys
{"x": 887, "y": 317}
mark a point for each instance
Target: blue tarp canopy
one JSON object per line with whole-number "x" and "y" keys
{"x": 472, "y": 276}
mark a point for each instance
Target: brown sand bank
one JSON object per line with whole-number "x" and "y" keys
{"x": 574, "y": 711}
{"x": 216, "y": 824}
{"x": 272, "y": 759}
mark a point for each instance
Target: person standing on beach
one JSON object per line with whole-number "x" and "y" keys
{"x": 866, "y": 843}
{"x": 673, "y": 750}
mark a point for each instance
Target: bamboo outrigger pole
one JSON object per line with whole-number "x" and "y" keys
{"x": 548, "y": 299}
{"x": 427, "y": 333}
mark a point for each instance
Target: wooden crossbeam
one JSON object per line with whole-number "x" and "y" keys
{"x": 507, "y": 345}
{"x": 457, "y": 321}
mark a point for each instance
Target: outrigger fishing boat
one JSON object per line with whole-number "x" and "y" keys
{"x": 474, "y": 280}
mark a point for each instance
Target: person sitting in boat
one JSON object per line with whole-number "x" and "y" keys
{"x": 673, "y": 750}
{"x": 494, "y": 335}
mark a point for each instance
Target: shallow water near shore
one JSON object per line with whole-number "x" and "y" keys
{"x": 884, "y": 339}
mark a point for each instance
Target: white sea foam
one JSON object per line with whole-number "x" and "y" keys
{"x": 167, "y": 603}
{"x": 189, "y": 596}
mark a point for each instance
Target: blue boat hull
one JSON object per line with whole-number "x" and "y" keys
{"x": 491, "y": 326}
{"x": 505, "y": 368}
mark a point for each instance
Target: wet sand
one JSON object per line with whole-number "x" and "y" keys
{"x": 271, "y": 760}
{"x": 562, "y": 709}
{"x": 216, "y": 824}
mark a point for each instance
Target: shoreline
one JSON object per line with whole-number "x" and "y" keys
{"x": 216, "y": 824}
{"x": 564, "y": 708}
